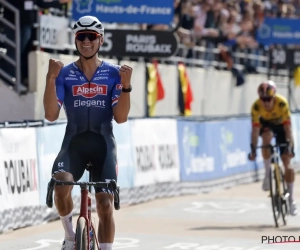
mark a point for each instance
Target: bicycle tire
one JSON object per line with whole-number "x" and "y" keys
{"x": 284, "y": 202}
{"x": 93, "y": 241}
{"x": 274, "y": 200}
{"x": 81, "y": 235}
{"x": 117, "y": 198}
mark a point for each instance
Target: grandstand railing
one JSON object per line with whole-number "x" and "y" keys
{"x": 208, "y": 56}
{"x": 43, "y": 123}
{"x": 203, "y": 56}
{"x": 30, "y": 123}
{"x": 15, "y": 80}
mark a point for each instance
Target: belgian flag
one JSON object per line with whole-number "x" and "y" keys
{"x": 185, "y": 95}
{"x": 155, "y": 89}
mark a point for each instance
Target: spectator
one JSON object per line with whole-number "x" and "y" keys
{"x": 203, "y": 21}
{"x": 296, "y": 4}
{"x": 258, "y": 14}
{"x": 185, "y": 31}
{"x": 290, "y": 12}
{"x": 224, "y": 24}
{"x": 27, "y": 19}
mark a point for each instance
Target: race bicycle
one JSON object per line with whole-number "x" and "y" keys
{"x": 85, "y": 234}
{"x": 278, "y": 187}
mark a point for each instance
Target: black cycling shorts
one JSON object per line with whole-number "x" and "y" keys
{"x": 278, "y": 131}
{"x": 84, "y": 148}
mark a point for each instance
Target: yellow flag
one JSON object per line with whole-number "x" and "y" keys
{"x": 186, "y": 90}
{"x": 152, "y": 90}
{"x": 297, "y": 76}
{"x": 155, "y": 87}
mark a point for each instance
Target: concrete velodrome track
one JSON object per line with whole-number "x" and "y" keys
{"x": 232, "y": 219}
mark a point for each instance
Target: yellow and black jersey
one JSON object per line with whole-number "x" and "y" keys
{"x": 279, "y": 115}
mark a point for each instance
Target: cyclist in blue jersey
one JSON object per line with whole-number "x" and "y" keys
{"x": 92, "y": 92}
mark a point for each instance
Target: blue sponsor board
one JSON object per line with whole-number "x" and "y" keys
{"x": 197, "y": 159}
{"x": 296, "y": 135}
{"x": 126, "y": 167}
{"x": 279, "y": 31}
{"x": 49, "y": 141}
{"x": 125, "y": 11}
{"x": 211, "y": 150}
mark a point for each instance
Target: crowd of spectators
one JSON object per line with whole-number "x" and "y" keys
{"x": 221, "y": 23}
{"x": 27, "y": 32}
{"x": 230, "y": 22}
{"x": 230, "y": 25}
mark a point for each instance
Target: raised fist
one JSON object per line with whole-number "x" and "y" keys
{"x": 54, "y": 68}
{"x": 125, "y": 73}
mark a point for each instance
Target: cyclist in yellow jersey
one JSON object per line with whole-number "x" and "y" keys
{"x": 271, "y": 116}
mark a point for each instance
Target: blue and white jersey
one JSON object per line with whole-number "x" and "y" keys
{"x": 89, "y": 104}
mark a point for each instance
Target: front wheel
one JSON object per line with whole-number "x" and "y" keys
{"x": 93, "y": 241}
{"x": 81, "y": 235}
{"x": 275, "y": 200}
{"x": 284, "y": 199}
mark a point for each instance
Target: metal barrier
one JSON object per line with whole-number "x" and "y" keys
{"x": 205, "y": 56}
{"x": 202, "y": 56}
{"x": 15, "y": 80}
{"x": 30, "y": 123}
{"x": 43, "y": 123}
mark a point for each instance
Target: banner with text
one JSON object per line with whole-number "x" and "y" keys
{"x": 126, "y": 11}
{"x": 139, "y": 43}
{"x": 211, "y": 150}
{"x": 155, "y": 151}
{"x": 283, "y": 58}
{"x": 279, "y": 31}
{"x": 53, "y": 32}
{"x": 19, "y": 184}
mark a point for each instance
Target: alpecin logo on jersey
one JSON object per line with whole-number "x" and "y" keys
{"x": 89, "y": 90}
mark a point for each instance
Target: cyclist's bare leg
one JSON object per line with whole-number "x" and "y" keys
{"x": 64, "y": 204}
{"x": 289, "y": 174}
{"x": 266, "y": 153}
{"x": 106, "y": 229}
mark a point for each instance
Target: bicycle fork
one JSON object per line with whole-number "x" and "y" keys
{"x": 86, "y": 208}
{"x": 274, "y": 161}
{"x": 90, "y": 231}
{"x": 93, "y": 239}
{"x": 283, "y": 195}
{"x": 277, "y": 178}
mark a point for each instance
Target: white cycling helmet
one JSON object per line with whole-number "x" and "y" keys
{"x": 88, "y": 23}
{"x": 267, "y": 89}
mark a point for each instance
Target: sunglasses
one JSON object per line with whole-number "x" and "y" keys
{"x": 80, "y": 36}
{"x": 266, "y": 99}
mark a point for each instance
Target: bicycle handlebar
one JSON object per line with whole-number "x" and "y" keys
{"x": 72, "y": 183}
{"x": 274, "y": 145}
{"x": 53, "y": 182}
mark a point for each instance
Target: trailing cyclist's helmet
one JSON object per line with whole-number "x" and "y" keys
{"x": 267, "y": 89}
{"x": 88, "y": 24}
